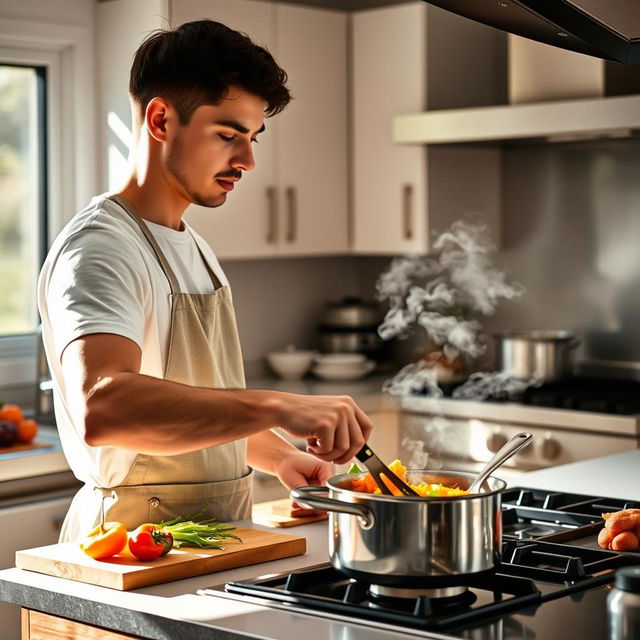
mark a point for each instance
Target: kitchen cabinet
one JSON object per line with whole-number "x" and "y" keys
{"x": 41, "y": 626}
{"x": 408, "y": 58}
{"x": 29, "y": 524}
{"x": 295, "y": 202}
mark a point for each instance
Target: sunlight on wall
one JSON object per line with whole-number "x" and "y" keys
{"x": 120, "y": 141}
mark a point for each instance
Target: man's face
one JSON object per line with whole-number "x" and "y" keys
{"x": 205, "y": 158}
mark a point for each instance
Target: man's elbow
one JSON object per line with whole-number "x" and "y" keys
{"x": 94, "y": 427}
{"x": 97, "y": 419}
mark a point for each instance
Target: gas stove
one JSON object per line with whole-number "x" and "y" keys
{"x": 551, "y": 583}
{"x": 579, "y": 393}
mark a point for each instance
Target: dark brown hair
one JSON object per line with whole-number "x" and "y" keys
{"x": 197, "y": 62}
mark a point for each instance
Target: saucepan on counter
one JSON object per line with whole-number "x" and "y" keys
{"x": 410, "y": 541}
{"x": 543, "y": 355}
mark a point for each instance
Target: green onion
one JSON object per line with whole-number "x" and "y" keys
{"x": 354, "y": 468}
{"x": 192, "y": 531}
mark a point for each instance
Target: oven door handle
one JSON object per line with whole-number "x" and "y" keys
{"x": 309, "y": 497}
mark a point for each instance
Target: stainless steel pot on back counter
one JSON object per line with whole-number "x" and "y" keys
{"x": 544, "y": 355}
{"x": 406, "y": 541}
{"x": 351, "y": 326}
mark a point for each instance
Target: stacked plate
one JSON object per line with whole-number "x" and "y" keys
{"x": 342, "y": 366}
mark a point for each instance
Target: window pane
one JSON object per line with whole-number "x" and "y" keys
{"x": 20, "y": 202}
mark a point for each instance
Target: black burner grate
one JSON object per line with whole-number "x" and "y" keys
{"x": 325, "y": 589}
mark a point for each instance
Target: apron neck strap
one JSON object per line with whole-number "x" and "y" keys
{"x": 164, "y": 263}
{"x": 214, "y": 278}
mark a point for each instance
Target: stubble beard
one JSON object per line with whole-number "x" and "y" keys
{"x": 175, "y": 168}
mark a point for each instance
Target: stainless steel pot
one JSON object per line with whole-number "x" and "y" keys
{"x": 352, "y": 313}
{"x": 332, "y": 341}
{"x": 545, "y": 355}
{"x": 406, "y": 541}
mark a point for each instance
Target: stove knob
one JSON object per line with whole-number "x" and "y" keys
{"x": 551, "y": 448}
{"x": 495, "y": 442}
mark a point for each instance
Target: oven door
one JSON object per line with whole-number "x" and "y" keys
{"x": 465, "y": 444}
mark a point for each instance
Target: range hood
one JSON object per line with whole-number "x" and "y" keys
{"x": 602, "y": 28}
{"x": 608, "y": 29}
{"x": 562, "y": 121}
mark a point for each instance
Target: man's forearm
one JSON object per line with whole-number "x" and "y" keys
{"x": 161, "y": 417}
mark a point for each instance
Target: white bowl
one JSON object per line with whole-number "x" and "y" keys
{"x": 341, "y": 359}
{"x": 291, "y": 365}
{"x": 352, "y": 373}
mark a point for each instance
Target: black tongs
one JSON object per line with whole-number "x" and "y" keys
{"x": 377, "y": 468}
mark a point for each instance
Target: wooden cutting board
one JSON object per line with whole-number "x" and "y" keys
{"x": 66, "y": 560}
{"x": 278, "y": 513}
{"x": 26, "y": 447}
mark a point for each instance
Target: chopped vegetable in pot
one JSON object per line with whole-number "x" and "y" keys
{"x": 367, "y": 484}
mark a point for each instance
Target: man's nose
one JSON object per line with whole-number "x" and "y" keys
{"x": 243, "y": 159}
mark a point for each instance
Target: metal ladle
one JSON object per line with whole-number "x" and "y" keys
{"x": 512, "y": 447}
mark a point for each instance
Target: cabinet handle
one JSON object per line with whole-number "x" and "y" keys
{"x": 272, "y": 215}
{"x": 407, "y": 211}
{"x": 292, "y": 214}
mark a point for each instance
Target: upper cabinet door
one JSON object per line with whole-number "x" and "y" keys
{"x": 295, "y": 201}
{"x": 389, "y": 78}
{"x": 245, "y": 226}
{"x": 313, "y": 131}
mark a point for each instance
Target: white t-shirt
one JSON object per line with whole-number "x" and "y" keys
{"x": 102, "y": 276}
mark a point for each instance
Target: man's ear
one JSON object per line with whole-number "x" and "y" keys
{"x": 157, "y": 116}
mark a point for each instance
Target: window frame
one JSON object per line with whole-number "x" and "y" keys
{"x": 66, "y": 53}
{"x": 41, "y": 72}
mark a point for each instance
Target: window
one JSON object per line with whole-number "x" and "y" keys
{"x": 23, "y": 185}
{"x": 47, "y": 165}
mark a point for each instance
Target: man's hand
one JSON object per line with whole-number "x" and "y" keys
{"x": 298, "y": 469}
{"x": 334, "y": 427}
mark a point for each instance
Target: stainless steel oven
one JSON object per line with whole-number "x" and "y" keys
{"x": 462, "y": 434}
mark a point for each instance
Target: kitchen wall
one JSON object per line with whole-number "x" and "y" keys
{"x": 571, "y": 236}
{"x": 280, "y": 302}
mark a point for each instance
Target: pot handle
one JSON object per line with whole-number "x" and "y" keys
{"x": 308, "y": 497}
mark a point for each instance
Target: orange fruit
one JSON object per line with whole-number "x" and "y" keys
{"x": 27, "y": 430}
{"x": 11, "y": 412}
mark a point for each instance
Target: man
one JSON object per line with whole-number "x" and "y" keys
{"x": 137, "y": 318}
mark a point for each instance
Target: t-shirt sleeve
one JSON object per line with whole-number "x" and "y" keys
{"x": 99, "y": 284}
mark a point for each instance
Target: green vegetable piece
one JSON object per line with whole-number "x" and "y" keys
{"x": 190, "y": 531}
{"x": 354, "y": 468}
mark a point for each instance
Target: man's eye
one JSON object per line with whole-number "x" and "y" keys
{"x": 226, "y": 138}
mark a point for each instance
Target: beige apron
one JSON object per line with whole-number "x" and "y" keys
{"x": 204, "y": 351}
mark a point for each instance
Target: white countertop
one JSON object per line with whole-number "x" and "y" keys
{"x": 615, "y": 476}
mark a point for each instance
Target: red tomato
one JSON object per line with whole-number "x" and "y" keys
{"x": 147, "y": 542}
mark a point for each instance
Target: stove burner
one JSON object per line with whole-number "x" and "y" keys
{"x": 380, "y": 591}
{"x": 422, "y": 603}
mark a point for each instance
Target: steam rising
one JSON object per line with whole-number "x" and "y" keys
{"x": 498, "y": 384}
{"x": 445, "y": 294}
{"x": 441, "y": 294}
{"x": 414, "y": 378}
